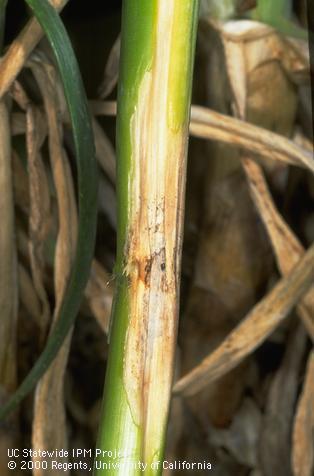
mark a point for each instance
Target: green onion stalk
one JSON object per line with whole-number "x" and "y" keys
{"x": 157, "y": 52}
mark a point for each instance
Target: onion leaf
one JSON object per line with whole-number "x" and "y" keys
{"x": 87, "y": 192}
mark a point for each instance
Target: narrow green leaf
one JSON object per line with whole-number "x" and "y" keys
{"x": 87, "y": 191}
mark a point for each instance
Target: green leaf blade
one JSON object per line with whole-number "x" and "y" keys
{"x": 87, "y": 191}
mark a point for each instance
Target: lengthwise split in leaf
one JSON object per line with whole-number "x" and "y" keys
{"x": 87, "y": 191}
{"x": 157, "y": 49}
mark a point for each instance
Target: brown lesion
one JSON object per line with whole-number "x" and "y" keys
{"x": 139, "y": 268}
{"x": 147, "y": 270}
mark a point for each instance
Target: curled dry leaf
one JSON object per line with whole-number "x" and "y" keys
{"x": 263, "y": 44}
{"x": 20, "y": 120}
{"x": 261, "y": 73}
{"x": 212, "y": 125}
{"x": 40, "y": 216}
{"x": 49, "y": 425}
{"x": 254, "y": 329}
{"x": 287, "y": 248}
{"x": 303, "y": 431}
{"x": 39, "y": 200}
{"x": 8, "y": 285}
